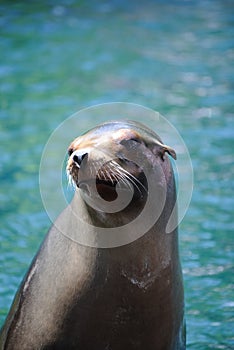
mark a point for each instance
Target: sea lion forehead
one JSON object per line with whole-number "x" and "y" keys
{"x": 110, "y": 128}
{"x": 125, "y": 134}
{"x": 123, "y": 129}
{"x": 116, "y": 131}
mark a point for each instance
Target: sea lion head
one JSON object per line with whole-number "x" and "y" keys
{"x": 115, "y": 153}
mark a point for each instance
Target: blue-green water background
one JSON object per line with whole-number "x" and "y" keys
{"x": 175, "y": 57}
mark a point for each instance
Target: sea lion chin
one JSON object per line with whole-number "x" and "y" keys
{"x": 128, "y": 297}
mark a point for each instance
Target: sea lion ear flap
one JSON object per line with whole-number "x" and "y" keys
{"x": 170, "y": 151}
{"x": 161, "y": 149}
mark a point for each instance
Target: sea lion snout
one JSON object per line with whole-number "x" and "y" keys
{"x": 78, "y": 157}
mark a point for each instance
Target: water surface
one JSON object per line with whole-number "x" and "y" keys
{"x": 176, "y": 58}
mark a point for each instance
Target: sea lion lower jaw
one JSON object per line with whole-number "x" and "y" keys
{"x": 78, "y": 295}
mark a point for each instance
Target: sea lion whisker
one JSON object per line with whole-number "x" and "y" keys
{"x": 103, "y": 174}
{"x": 130, "y": 180}
{"x": 134, "y": 178}
{"x": 124, "y": 179}
{"x": 111, "y": 174}
{"x": 119, "y": 170}
{"x": 120, "y": 177}
{"x": 100, "y": 172}
{"x": 97, "y": 165}
{"x": 70, "y": 180}
{"x": 126, "y": 182}
{"x": 130, "y": 177}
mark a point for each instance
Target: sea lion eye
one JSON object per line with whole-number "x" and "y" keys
{"x": 125, "y": 142}
{"x": 135, "y": 139}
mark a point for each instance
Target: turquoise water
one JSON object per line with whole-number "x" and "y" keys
{"x": 176, "y": 58}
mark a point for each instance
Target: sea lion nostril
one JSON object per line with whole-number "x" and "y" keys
{"x": 79, "y": 157}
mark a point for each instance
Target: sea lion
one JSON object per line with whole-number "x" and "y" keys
{"x": 128, "y": 297}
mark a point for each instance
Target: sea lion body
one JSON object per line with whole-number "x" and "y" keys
{"x": 129, "y": 297}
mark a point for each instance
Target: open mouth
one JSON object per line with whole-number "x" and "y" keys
{"x": 106, "y": 182}
{"x": 105, "y": 188}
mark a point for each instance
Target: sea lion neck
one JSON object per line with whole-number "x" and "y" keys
{"x": 102, "y": 218}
